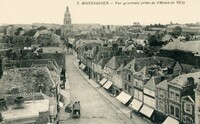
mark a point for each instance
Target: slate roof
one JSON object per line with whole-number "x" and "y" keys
{"x": 116, "y": 61}
{"x": 181, "y": 80}
{"x": 81, "y": 42}
{"x": 103, "y": 61}
{"x": 162, "y": 85}
{"x": 139, "y": 63}
{"x": 189, "y": 46}
{"x": 151, "y": 84}
{"x": 145, "y": 73}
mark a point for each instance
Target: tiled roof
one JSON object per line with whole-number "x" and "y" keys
{"x": 26, "y": 80}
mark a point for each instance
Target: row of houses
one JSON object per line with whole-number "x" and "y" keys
{"x": 158, "y": 89}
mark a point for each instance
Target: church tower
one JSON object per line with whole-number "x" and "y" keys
{"x": 67, "y": 18}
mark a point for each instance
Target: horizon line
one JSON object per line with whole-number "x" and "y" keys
{"x": 1, "y": 24}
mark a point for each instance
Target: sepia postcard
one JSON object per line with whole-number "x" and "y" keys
{"x": 99, "y": 61}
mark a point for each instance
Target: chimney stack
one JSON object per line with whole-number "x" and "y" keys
{"x": 19, "y": 102}
{"x": 3, "y": 105}
{"x": 190, "y": 80}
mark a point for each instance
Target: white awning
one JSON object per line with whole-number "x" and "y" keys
{"x": 123, "y": 97}
{"x": 61, "y": 104}
{"x": 83, "y": 67}
{"x": 103, "y": 81}
{"x": 170, "y": 120}
{"x": 108, "y": 84}
{"x": 135, "y": 104}
{"x": 146, "y": 111}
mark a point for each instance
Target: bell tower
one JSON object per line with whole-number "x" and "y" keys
{"x": 67, "y": 17}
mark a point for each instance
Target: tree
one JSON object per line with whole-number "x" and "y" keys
{"x": 31, "y": 32}
{"x": 176, "y": 31}
{"x": 42, "y": 28}
{"x": 17, "y": 32}
{"x": 153, "y": 41}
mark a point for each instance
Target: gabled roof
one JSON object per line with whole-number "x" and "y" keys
{"x": 130, "y": 47}
{"x": 162, "y": 85}
{"x": 103, "y": 61}
{"x": 116, "y": 61}
{"x": 182, "y": 68}
{"x": 121, "y": 67}
{"x": 113, "y": 63}
{"x": 151, "y": 84}
{"x": 189, "y": 98}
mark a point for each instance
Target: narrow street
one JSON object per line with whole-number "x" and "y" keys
{"x": 95, "y": 108}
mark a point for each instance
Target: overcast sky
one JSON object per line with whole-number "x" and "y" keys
{"x": 52, "y": 11}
